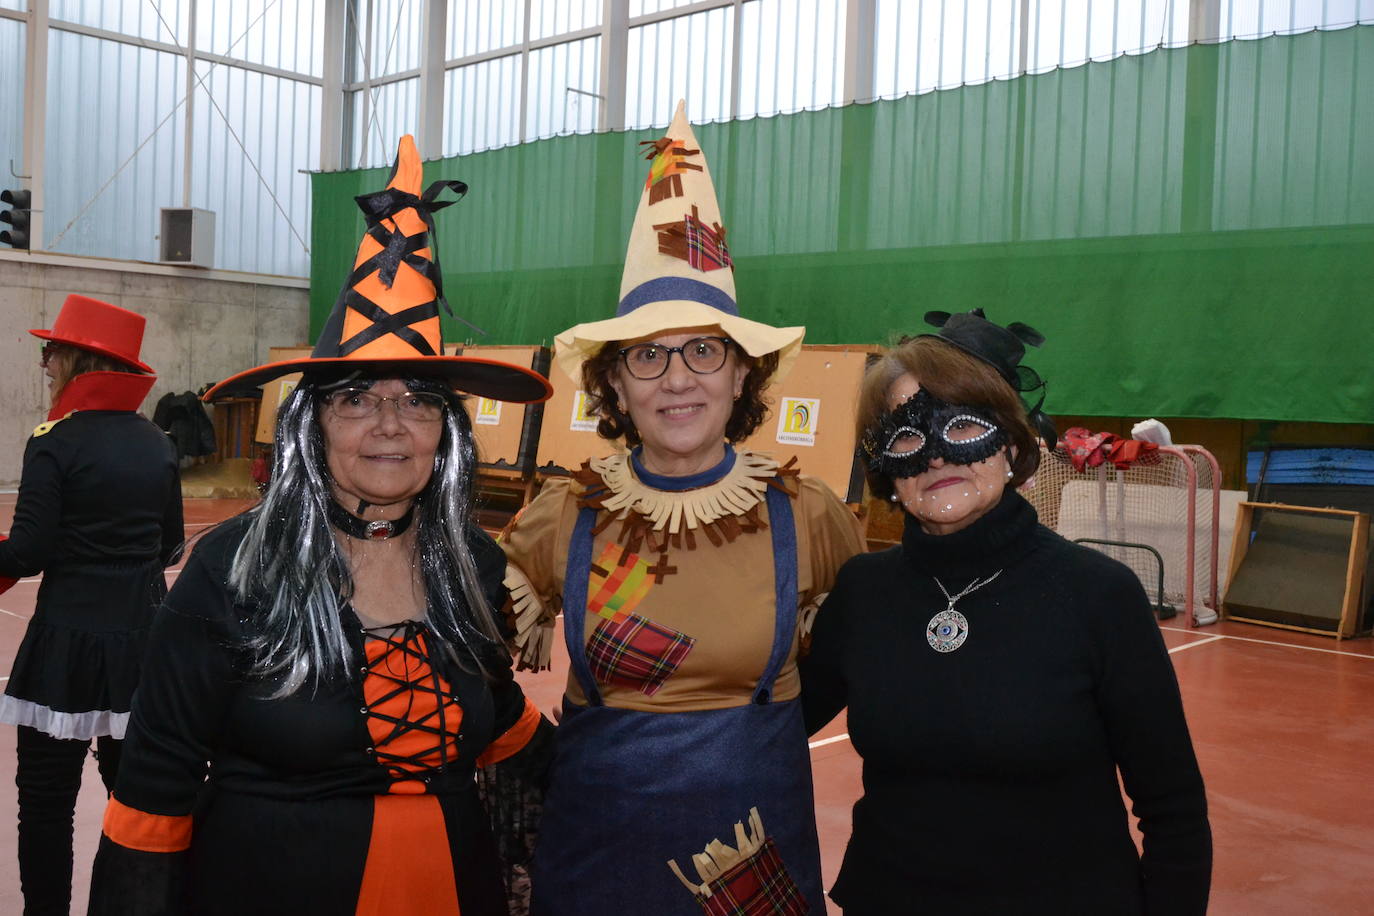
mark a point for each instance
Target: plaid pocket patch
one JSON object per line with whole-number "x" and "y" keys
{"x": 636, "y": 652}
{"x": 757, "y": 886}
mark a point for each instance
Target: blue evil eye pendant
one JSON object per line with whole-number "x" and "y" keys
{"x": 947, "y": 630}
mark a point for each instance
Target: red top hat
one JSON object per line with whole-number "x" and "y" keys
{"x": 99, "y": 327}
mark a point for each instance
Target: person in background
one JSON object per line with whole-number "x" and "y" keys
{"x": 99, "y": 515}
{"x": 686, "y": 571}
{"x": 998, "y": 678}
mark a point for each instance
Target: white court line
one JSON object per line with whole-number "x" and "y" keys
{"x": 1189, "y": 645}
{"x": 13, "y": 614}
{"x": 824, "y": 741}
{"x": 1285, "y": 645}
{"x": 1262, "y": 642}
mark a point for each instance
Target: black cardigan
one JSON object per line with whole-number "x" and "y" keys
{"x": 990, "y": 772}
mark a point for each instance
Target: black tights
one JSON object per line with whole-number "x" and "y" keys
{"x": 49, "y": 778}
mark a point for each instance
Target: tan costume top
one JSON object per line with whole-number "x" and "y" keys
{"x": 680, "y": 602}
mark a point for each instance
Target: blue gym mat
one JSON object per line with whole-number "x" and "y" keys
{"x": 1348, "y": 466}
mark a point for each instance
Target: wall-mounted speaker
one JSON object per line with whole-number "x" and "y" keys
{"x": 187, "y": 237}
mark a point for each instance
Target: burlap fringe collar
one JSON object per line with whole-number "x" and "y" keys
{"x": 665, "y": 518}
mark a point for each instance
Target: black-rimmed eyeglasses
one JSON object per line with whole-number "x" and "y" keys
{"x": 703, "y": 355}
{"x": 359, "y": 404}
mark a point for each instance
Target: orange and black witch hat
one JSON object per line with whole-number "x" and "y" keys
{"x": 386, "y": 320}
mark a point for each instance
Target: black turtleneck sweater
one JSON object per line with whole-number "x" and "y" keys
{"x": 990, "y": 772}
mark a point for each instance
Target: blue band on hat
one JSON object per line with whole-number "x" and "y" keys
{"x": 667, "y": 289}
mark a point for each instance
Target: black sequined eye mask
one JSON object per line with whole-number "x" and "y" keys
{"x": 922, "y": 428}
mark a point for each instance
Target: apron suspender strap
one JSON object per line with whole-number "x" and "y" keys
{"x": 576, "y": 580}
{"x": 784, "y": 533}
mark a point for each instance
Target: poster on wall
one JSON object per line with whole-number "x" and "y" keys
{"x": 582, "y": 418}
{"x": 798, "y": 420}
{"x": 488, "y": 412}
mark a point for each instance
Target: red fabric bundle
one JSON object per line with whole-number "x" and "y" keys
{"x": 1089, "y": 450}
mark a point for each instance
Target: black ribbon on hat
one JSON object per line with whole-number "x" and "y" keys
{"x": 1002, "y": 348}
{"x": 397, "y": 247}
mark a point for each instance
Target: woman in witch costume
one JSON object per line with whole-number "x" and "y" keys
{"x": 998, "y": 677}
{"x": 333, "y": 653}
{"x": 99, "y": 514}
{"x": 686, "y": 572}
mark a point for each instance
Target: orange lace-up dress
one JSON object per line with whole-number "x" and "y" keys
{"x": 355, "y": 798}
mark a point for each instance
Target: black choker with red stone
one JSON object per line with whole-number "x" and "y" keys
{"x": 364, "y": 530}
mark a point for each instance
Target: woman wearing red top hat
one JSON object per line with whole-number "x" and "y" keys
{"x": 99, "y": 514}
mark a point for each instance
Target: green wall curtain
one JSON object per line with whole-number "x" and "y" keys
{"x": 1192, "y": 229}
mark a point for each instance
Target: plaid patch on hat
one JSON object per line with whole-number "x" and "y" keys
{"x": 636, "y": 652}
{"x": 619, "y": 581}
{"x": 758, "y": 886}
{"x": 706, "y": 248}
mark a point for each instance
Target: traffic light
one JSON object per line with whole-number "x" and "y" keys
{"x": 17, "y": 203}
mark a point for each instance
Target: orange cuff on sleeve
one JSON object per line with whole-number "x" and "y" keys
{"x": 134, "y": 829}
{"x": 515, "y": 738}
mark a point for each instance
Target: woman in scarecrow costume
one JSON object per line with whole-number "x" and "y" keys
{"x": 333, "y": 654}
{"x": 686, "y": 572}
{"x": 99, "y": 514}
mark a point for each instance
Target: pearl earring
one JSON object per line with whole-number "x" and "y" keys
{"x": 894, "y": 498}
{"x": 1010, "y": 474}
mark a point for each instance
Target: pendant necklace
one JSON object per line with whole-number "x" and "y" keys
{"x": 948, "y": 630}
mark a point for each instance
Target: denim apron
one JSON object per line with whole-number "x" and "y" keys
{"x": 631, "y": 789}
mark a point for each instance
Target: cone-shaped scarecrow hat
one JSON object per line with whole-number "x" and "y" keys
{"x": 386, "y": 319}
{"x": 678, "y": 270}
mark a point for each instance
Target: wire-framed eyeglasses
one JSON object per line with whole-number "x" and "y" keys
{"x": 359, "y": 404}
{"x": 703, "y": 355}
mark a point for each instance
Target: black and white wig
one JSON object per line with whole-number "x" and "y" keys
{"x": 290, "y": 565}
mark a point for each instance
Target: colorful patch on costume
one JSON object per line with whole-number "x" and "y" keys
{"x": 636, "y": 652}
{"x": 757, "y": 886}
{"x": 669, "y": 161}
{"x": 693, "y": 241}
{"x": 619, "y": 581}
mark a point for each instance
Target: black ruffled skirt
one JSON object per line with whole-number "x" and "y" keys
{"x": 78, "y": 664}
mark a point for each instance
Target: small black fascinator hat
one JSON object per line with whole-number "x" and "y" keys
{"x": 1002, "y": 348}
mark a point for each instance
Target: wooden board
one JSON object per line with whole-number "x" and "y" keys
{"x": 273, "y": 393}
{"x": 234, "y": 420}
{"x": 1300, "y": 564}
{"x": 499, "y": 427}
{"x": 568, "y": 436}
{"x": 811, "y": 416}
